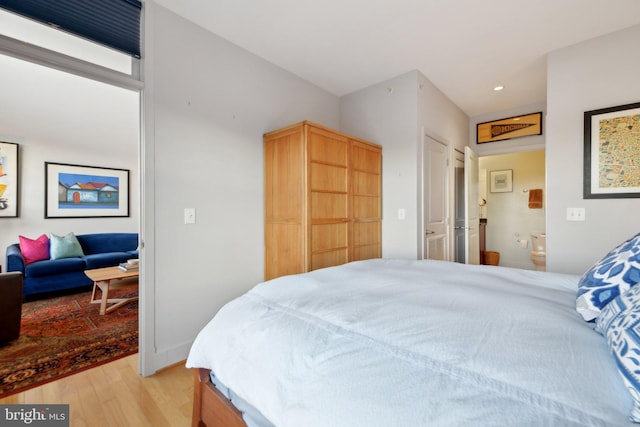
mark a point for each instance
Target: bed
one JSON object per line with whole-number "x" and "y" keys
{"x": 407, "y": 343}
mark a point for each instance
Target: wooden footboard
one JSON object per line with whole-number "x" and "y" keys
{"x": 210, "y": 407}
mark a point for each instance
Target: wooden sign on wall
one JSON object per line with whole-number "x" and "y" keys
{"x": 512, "y": 127}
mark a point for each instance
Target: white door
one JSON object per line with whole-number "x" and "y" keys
{"x": 472, "y": 214}
{"x": 459, "y": 208}
{"x": 435, "y": 200}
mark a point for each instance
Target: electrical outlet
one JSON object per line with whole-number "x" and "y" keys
{"x": 575, "y": 214}
{"x": 189, "y": 215}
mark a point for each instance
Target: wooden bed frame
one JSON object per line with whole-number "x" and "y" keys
{"x": 211, "y": 408}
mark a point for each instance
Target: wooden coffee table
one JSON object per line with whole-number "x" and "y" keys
{"x": 109, "y": 278}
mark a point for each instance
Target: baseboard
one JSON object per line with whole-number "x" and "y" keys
{"x": 167, "y": 357}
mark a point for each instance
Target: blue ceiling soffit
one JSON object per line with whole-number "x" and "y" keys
{"x": 113, "y": 23}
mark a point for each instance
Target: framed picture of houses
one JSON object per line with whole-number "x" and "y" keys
{"x": 75, "y": 191}
{"x": 9, "y": 189}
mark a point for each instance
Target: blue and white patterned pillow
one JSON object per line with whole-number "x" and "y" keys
{"x": 618, "y": 307}
{"x": 618, "y": 271}
{"x": 619, "y": 322}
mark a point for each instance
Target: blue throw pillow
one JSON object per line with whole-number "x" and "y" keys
{"x": 618, "y": 307}
{"x": 620, "y": 324}
{"x": 64, "y": 247}
{"x": 618, "y": 271}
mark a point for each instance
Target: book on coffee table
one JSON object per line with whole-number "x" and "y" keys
{"x": 131, "y": 265}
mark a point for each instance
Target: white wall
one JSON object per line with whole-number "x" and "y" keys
{"x": 595, "y": 74}
{"x": 387, "y": 114}
{"x": 439, "y": 117}
{"x": 509, "y": 218}
{"x": 394, "y": 114}
{"x": 62, "y": 118}
{"x": 211, "y": 104}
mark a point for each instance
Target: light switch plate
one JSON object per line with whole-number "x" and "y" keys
{"x": 189, "y": 215}
{"x": 575, "y": 214}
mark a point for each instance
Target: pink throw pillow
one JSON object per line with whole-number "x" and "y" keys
{"x": 34, "y": 250}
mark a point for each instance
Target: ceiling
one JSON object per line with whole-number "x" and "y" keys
{"x": 464, "y": 47}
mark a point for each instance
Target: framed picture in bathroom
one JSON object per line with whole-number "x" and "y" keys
{"x": 611, "y": 150}
{"x": 501, "y": 181}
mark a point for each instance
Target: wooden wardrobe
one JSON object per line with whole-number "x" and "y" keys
{"x": 322, "y": 199}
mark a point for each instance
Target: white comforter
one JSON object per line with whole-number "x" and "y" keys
{"x": 415, "y": 343}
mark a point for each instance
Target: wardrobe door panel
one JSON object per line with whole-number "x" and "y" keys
{"x": 328, "y": 178}
{"x": 365, "y": 183}
{"x": 327, "y": 147}
{"x": 366, "y": 252}
{"x": 365, "y": 158}
{"x": 365, "y": 191}
{"x": 366, "y": 233}
{"x": 329, "y": 259}
{"x": 326, "y": 237}
{"x": 364, "y": 207}
{"x": 328, "y": 206}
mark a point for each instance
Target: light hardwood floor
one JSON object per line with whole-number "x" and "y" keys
{"x": 115, "y": 394}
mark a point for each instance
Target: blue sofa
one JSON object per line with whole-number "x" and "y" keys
{"x": 100, "y": 250}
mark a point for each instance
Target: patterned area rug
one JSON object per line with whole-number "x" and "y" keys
{"x": 64, "y": 335}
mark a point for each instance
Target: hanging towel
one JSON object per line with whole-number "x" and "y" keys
{"x": 535, "y": 198}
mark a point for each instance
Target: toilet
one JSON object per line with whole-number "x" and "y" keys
{"x": 539, "y": 254}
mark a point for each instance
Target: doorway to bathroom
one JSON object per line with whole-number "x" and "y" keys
{"x": 511, "y": 209}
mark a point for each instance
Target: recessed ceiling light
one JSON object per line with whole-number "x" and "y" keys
{"x": 498, "y": 88}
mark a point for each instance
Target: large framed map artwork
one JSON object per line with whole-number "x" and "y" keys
{"x": 612, "y": 152}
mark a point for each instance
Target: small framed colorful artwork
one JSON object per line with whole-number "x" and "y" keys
{"x": 75, "y": 191}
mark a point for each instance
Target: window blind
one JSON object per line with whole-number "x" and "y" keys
{"x": 113, "y": 23}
